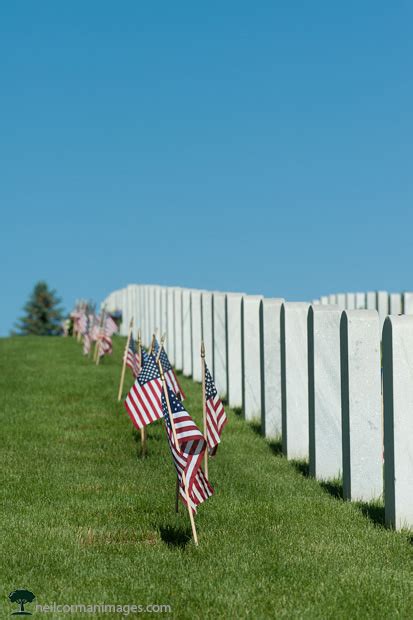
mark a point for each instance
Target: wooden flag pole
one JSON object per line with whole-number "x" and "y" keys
{"x": 204, "y": 409}
{"x": 143, "y": 430}
{"x": 100, "y": 340}
{"x": 97, "y": 340}
{"x": 188, "y": 501}
{"x": 152, "y": 344}
{"x": 177, "y": 479}
{"x": 122, "y": 376}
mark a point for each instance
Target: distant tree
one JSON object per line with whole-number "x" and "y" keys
{"x": 21, "y": 597}
{"x": 43, "y": 316}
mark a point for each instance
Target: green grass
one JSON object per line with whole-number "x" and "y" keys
{"x": 85, "y": 519}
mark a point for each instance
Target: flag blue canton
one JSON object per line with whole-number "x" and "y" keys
{"x": 166, "y": 364}
{"x": 210, "y": 389}
{"x": 176, "y": 405}
{"x": 166, "y": 412}
{"x": 149, "y": 372}
{"x": 145, "y": 356}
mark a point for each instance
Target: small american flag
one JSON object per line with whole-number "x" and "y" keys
{"x": 105, "y": 347}
{"x": 132, "y": 358}
{"x": 83, "y": 323}
{"x": 144, "y": 400}
{"x": 215, "y": 414}
{"x": 86, "y": 334}
{"x": 94, "y": 332}
{"x": 188, "y": 455}
{"x": 169, "y": 373}
{"x": 110, "y": 327}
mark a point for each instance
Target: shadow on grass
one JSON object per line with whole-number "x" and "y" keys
{"x": 333, "y": 487}
{"x": 276, "y": 447}
{"x": 175, "y": 536}
{"x": 237, "y": 411}
{"x": 373, "y": 511}
{"x": 301, "y": 466}
{"x": 256, "y": 427}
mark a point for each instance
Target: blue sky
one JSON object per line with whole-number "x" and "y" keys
{"x": 255, "y": 146}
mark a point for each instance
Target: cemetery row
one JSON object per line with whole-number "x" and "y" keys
{"x": 336, "y": 385}
{"x": 385, "y": 303}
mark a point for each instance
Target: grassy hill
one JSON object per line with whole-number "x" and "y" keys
{"x": 85, "y": 519}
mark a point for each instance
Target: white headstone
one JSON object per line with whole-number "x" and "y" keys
{"x": 395, "y": 303}
{"x": 138, "y": 310}
{"x": 178, "y": 330}
{"x": 163, "y": 326}
{"x": 251, "y": 356}
{"x": 325, "y": 453}
{"x": 220, "y": 343}
{"x": 234, "y": 302}
{"x": 148, "y": 320}
{"x": 382, "y": 305}
{"x": 130, "y": 300}
{"x": 170, "y": 332}
{"x": 186, "y": 332}
{"x": 341, "y": 300}
{"x": 361, "y": 405}
{"x": 151, "y": 311}
{"x": 294, "y": 379}
{"x": 398, "y": 421}
{"x": 324, "y": 300}
{"x": 196, "y": 323}
{"x": 371, "y": 300}
{"x": 271, "y": 412}
{"x": 350, "y": 301}
{"x": 407, "y": 303}
{"x": 332, "y": 299}
{"x": 157, "y": 311}
{"x": 360, "y": 301}
{"x": 208, "y": 329}
{"x": 125, "y": 315}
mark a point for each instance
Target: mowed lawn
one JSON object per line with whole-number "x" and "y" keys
{"x": 85, "y": 519}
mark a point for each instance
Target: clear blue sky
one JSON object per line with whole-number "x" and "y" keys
{"x": 255, "y": 146}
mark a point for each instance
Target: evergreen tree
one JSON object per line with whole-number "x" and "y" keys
{"x": 43, "y": 316}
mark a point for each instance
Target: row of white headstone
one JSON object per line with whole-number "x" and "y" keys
{"x": 314, "y": 374}
{"x": 385, "y": 303}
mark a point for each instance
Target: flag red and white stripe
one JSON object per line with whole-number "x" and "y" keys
{"x": 132, "y": 358}
{"x": 143, "y": 402}
{"x": 189, "y": 452}
{"x": 215, "y": 413}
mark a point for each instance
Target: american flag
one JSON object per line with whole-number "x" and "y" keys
{"x": 82, "y": 323}
{"x": 86, "y": 322}
{"x": 110, "y": 327}
{"x": 145, "y": 356}
{"x": 144, "y": 400}
{"x": 75, "y": 316}
{"x": 169, "y": 373}
{"x": 132, "y": 358}
{"x": 94, "y": 332}
{"x": 215, "y": 414}
{"x": 106, "y": 332}
{"x": 105, "y": 347}
{"x": 187, "y": 456}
